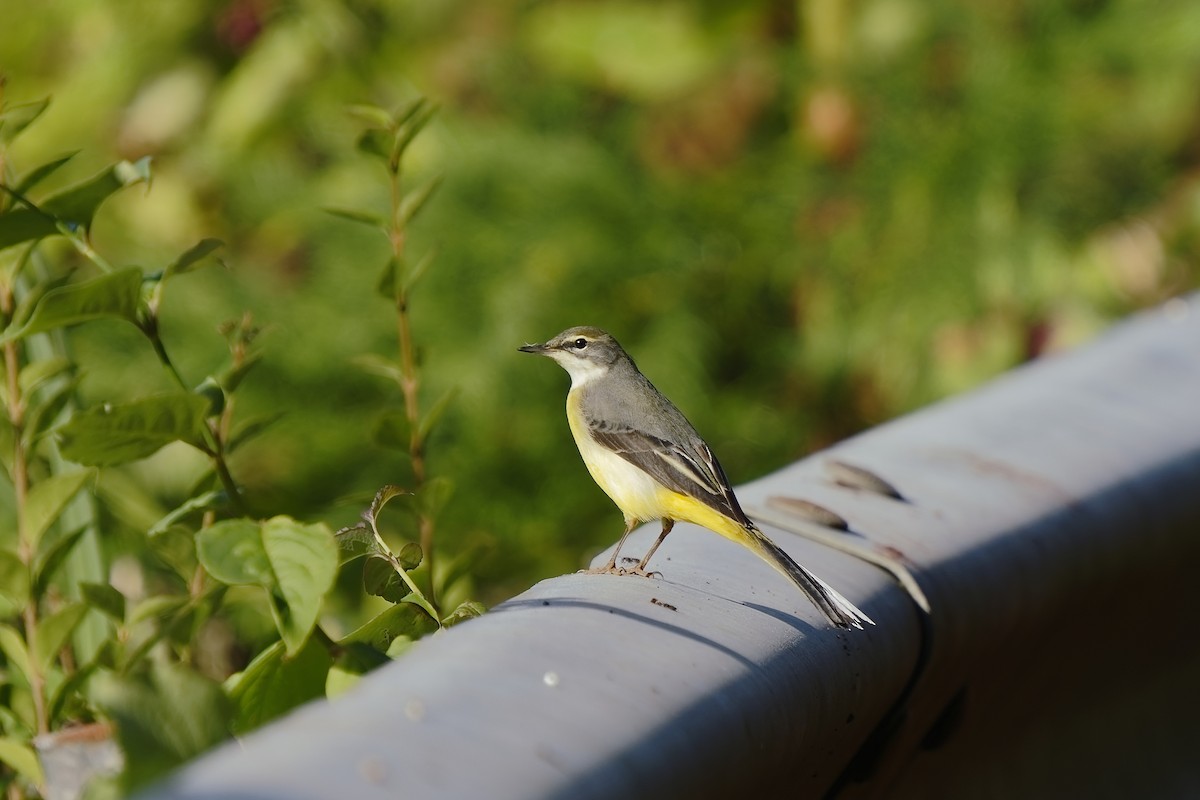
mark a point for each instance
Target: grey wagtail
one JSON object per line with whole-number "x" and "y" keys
{"x": 649, "y": 459}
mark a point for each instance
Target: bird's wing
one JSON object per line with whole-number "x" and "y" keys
{"x": 690, "y": 470}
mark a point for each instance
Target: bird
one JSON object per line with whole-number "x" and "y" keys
{"x": 653, "y": 464}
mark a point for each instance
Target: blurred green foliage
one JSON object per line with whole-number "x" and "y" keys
{"x": 800, "y": 218}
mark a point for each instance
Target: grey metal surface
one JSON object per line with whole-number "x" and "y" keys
{"x": 1051, "y": 520}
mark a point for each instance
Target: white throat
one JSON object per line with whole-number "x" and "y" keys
{"x": 581, "y": 370}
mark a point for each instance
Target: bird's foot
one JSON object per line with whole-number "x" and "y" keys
{"x": 607, "y": 569}
{"x": 645, "y": 573}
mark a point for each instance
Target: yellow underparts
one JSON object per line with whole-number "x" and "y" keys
{"x": 639, "y": 496}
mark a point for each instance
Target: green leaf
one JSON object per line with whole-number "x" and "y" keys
{"x": 378, "y": 365}
{"x": 14, "y": 119}
{"x": 295, "y": 563}
{"x": 22, "y": 758}
{"x": 410, "y": 556}
{"x": 232, "y": 377}
{"x": 24, "y": 225}
{"x": 114, "y": 434}
{"x": 211, "y": 391}
{"x": 465, "y": 611}
{"x": 51, "y": 556}
{"x": 391, "y": 430}
{"x": 76, "y": 205}
{"x": 159, "y": 607}
{"x": 435, "y": 414}
{"x": 106, "y": 599}
{"x": 391, "y": 279}
{"x": 36, "y": 373}
{"x": 161, "y": 722}
{"x": 353, "y": 661}
{"x": 371, "y": 114}
{"x": 415, "y": 119}
{"x": 363, "y": 217}
{"x": 381, "y": 579}
{"x": 43, "y": 414}
{"x": 374, "y": 142}
{"x": 413, "y": 275}
{"x": 251, "y": 428}
{"x": 273, "y": 684}
{"x": 14, "y": 579}
{"x": 381, "y": 499}
{"x": 38, "y": 174}
{"x": 12, "y": 644}
{"x": 202, "y": 502}
{"x": 192, "y": 258}
{"x": 54, "y": 630}
{"x": 113, "y": 296}
{"x": 414, "y": 201}
{"x": 403, "y": 619}
{"x": 354, "y": 542}
{"x": 48, "y": 498}
{"x": 232, "y": 551}
{"x": 305, "y": 559}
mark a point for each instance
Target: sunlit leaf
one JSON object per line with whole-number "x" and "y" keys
{"x": 54, "y": 630}
{"x": 232, "y": 551}
{"x": 48, "y": 498}
{"x": 192, "y": 258}
{"x": 22, "y": 758}
{"x": 202, "y": 502}
{"x": 111, "y": 296}
{"x": 395, "y": 621}
{"x": 76, "y": 205}
{"x": 295, "y": 563}
{"x": 16, "y": 118}
{"x": 14, "y": 578}
{"x": 378, "y": 365}
{"x": 114, "y": 434}
{"x": 465, "y": 611}
{"x": 38, "y": 174}
{"x": 36, "y": 373}
{"x": 305, "y": 560}
{"x": 12, "y": 645}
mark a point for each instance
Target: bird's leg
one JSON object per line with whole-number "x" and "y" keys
{"x": 611, "y": 567}
{"x": 640, "y": 569}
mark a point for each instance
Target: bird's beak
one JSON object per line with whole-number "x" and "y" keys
{"x": 539, "y": 349}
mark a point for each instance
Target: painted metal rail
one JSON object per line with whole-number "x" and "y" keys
{"x": 1049, "y": 522}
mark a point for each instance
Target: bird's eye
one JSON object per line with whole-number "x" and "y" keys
{"x": 580, "y": 343}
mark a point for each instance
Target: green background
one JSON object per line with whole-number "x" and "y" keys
{"x": 801, "y": 219}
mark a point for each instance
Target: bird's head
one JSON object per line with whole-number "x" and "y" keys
{"x": 584, "y": 352}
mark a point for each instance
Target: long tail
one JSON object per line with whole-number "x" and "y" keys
{"x": 838, "y": 609}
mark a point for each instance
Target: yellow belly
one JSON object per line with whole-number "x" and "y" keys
{"x": 639, "y": 496}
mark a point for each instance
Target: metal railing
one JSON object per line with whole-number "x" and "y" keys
{"x": 1049, "y": 522}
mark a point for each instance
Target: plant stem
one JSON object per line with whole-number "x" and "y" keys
{"x": 411, "y": 382}
{"x": 20, "y": 479}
